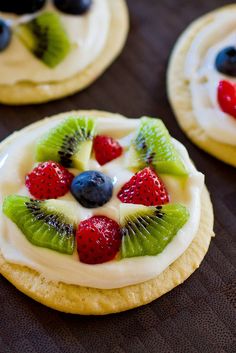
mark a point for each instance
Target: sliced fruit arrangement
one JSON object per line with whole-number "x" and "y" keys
{"x": 147, "y": 222}
{"x": 43, "y": 35}
{"x": 106, "y": 149}
{"x": 46, "y": 38}
{"x": 148, "y": 230}
{"x": 153, "y": 146}
{"x": 92, "y": 188}
{"x": 144, "y": 188}
{"x": 21, "y": 7}
{"x": 73, "y": 7}
{"x": 47, "y": 224}
{"x": 49, "y": 180}
{"x": 69, "y": 143}
{"x": 5, "y": 35}
{"x": 98, "y": 240}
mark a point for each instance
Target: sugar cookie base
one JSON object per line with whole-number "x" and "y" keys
{"x": 91, "y": 301}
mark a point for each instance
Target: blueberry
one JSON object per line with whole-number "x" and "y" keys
{"x": 20, "y": 7}
{"x": 73, "y": 7}
{"x": 226, "y": 61}
{"x": 92, "y": 189}
{"x": 5, "y": 35}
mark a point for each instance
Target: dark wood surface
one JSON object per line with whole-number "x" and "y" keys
{"x": 196, "y": 317}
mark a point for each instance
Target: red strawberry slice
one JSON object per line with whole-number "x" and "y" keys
{"x": 227, "y": 97}
{"x": 144, "y": 188}
{"x": 98, "y": 240}
{"x": 49, "y": 180}
{"x": 106, "y": 149}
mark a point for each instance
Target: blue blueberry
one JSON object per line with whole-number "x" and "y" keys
{"x": 73, "y": 7}
{"x": 226, "y": 61}
{"x": 92, "y": 189}
{"x": 21, "y": 6}
{"x": 5, "y": 35}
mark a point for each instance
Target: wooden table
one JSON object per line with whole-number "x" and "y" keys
{"x": 198, "y": 316}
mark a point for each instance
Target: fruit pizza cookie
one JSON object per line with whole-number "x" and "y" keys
{"x": 100, "y": 213}
{"x": 52, "y": 48}
{"x": 202, "y": 83}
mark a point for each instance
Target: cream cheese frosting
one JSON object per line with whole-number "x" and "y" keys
{"x": 203, "y": 77}
{"x": 18, "y": 159}
{"x": 87, "y": 33}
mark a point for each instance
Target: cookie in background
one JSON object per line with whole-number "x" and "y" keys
{"x": 51, "y": 49}
{"x": 202, "y": 83}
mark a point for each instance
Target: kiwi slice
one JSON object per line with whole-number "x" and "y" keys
{"x": 153, "y": 146}
{"x": 148, "y": 230}
{"x": 69, "y": 143}
{"x": 48, "y": 224}
{"x": 46, "y": 38}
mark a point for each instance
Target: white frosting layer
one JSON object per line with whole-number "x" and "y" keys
{"x": 87, "y": 33}
{"x": 18, "y": 159}
{"x": 204, "y": 78}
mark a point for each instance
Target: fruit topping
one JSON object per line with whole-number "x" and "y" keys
{"x": 46, "y": 38}
{"x": 69, "y": 143}
{"x": 5, "y": 35}
{"x": 21, "y": 7}
{"x": 92, "y": 189}
{"x": 153, "y": 146}
{"x": 106, "y": 149}
{"x": 148, "y": 230}
{"x": 227, "y": 97}
{"x": 98, "y": 240}
{"x": 144, "y": 188}
{"x": 48, "y": 224}
{"x": 226, "y": 61}
{"x": 73, "y": 7}
{"x": 49, "y": 180}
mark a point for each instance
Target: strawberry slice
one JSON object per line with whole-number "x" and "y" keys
{"x": 98, "y": 240}
{"x": 49, "y": 180}
{"x": 144, "y": 188}
{"x": 106, "y": 149}
{"x": 227, "y": 97}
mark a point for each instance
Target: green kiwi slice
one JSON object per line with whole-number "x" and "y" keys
{"x": 48, "y": 224}
{"x": 153, "y": 146}
{"x": 69, "y": 143}
{"x": 148, "y": 230}
{"x": 46, "y": 38}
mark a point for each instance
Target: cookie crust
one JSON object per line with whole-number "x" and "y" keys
{"x": 180, "y": 95}
{"x": 91, "y": 301}
{"x": 33, "y": 93}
